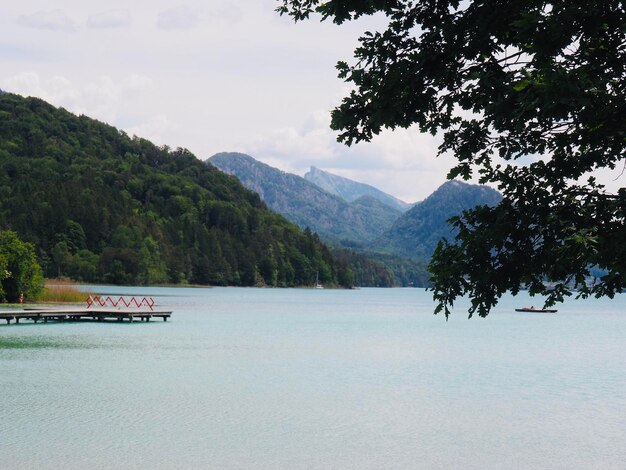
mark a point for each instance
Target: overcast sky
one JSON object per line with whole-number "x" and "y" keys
{"x": 211, "y": 76}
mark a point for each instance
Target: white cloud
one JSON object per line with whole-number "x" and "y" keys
{"x": 226, "y": 11}
{"x": 181, "y": 17}
{"x": 109, "y": 19}
{"x": 314, "y": 141}
{"x": 403, "y": 162}
{"x": 54, "y": 20}
{"x": 156, "y": 128}
{"x": 57, "y": 89}
{"x": 103, "y": 98}
{"x": 136, "y": 83}
{"x": 25, "y": 83}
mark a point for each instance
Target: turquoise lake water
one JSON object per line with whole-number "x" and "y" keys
{"x": 317, "y": 379}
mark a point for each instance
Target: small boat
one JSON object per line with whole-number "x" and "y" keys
{"x": 317, "y": 281}
{"x": 535, "y": 310}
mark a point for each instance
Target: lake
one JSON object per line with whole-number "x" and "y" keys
{"x": 317, "y": 379}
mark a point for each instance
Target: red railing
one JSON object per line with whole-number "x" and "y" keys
{"x": 95, "y": 300}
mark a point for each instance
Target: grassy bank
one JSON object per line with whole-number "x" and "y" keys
{"x": 62, "y": 291}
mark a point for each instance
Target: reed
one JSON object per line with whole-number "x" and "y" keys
{"x": 61, "y": 290}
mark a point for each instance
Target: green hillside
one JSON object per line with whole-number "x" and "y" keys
{"x": 404, "y": 242}
{"x": 416, "y": 233}
{"x": 100, "y": 206}
{"x": 308, "y": 205}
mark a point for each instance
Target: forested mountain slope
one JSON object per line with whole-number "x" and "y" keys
{"x": 306, "y": 204}
{"x": 103, "y": 207}
{"x": 404, "y": 248}
{"x": 416, "y": 233}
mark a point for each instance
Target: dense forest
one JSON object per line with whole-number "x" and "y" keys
{"x": 100, "y": 206}
{"x": 416, "y": 233}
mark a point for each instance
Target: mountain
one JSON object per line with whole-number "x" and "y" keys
{"x": 100, "y": 206}
{"x": 404, "y": 248}
{"x": 352, "y": 190}
{"x": 306, "y": 204}
{"x": 417, "y": 232}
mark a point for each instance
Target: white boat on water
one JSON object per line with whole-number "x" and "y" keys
{"x": 317, "y": 281}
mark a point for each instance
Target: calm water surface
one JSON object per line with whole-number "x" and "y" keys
{"x": 268, "y": 378}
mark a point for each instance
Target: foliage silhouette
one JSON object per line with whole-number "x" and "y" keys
{"x": 528, "y": 96}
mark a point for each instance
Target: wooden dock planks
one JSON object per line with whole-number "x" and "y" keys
{"x": 70, "y": 314}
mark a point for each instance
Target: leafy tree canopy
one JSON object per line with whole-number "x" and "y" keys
{"x": 19, "y": 271}
{"x": 529, "y": 96}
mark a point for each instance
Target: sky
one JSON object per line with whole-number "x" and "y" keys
{"x": 212, "y": 76}
{"x": 209, "y": 76}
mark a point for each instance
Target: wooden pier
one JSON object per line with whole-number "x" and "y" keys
{"x": 69, "y": 314}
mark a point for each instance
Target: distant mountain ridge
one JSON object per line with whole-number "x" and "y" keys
{"x": 308, "y": 205}
{"x": 416, "y": 233}
{"x": 366, "y": 223}
{"x": 350, "y": 190}
{"x": 404, "y": 246}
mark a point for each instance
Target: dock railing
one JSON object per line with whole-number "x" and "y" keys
{"x": 118, "y": 302}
